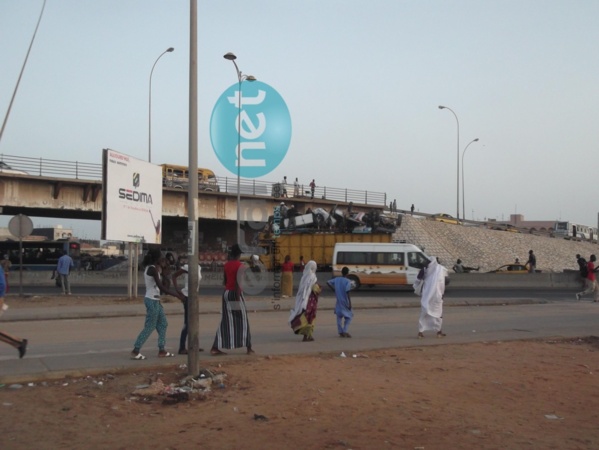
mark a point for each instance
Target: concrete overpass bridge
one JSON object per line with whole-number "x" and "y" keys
{"x": 63, "y": 189}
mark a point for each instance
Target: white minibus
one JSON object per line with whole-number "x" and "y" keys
{"x": 378, "y": 264}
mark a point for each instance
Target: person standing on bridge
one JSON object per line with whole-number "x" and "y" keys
{"x": 431, "y": 300}
{"x": 18, "y": 343}
{"x": 312, "y": 188}
{"x": 155, "y": 317}
{"x": 234, "y": 329}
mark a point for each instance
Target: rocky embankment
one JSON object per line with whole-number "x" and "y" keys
{"x": 489, "y": 249}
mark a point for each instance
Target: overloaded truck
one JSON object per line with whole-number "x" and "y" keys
{"x": 317, "y": 246}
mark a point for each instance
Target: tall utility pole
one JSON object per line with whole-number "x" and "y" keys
{"x": 193, "y": 310}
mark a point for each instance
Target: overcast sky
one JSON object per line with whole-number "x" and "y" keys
{"x": 362, "y": 81}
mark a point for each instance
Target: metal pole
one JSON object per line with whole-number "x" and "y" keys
{"x": 168, "y": 50}
{"x": 238, "y": 159}
{"x": 458, "y": 161}
{"x": 21, "y": 74}
{"x": 240, "y": 78}
{"x": 193, "y": 318}
{"x": 464, "y": 190}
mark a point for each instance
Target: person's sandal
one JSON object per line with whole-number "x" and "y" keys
{"x": 216, "y": 352}
{"x": 440, "y": 334}
{"x": 137, "y": 356}
{"x": 420, "y": 336}
{"x": 165, "y": 354}
{"x": 22, "y": 348}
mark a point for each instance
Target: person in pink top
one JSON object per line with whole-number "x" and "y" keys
{"x": 591, "y": 280}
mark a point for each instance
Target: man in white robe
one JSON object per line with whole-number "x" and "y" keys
{"x": 431, "y": 301}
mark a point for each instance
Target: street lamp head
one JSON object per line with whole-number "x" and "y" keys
{"x": 250, "y": 78}
{"x": 170, "y": 49}
{"x": 475, "y": 140}
{"x": 442, "y": 107}
{"x": 230, "y": 56}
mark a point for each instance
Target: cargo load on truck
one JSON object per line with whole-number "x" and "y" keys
{"x": 337, "y": 219}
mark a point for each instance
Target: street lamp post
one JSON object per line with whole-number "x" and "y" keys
{"x": 458, "y": 159}
{"x": 168, "y": 50}
{"x": 240, "y": 78}
{"x": 14, "y": 94}
{"x": 463, "y": 189}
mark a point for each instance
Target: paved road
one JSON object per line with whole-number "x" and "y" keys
{"x": 97, "y": 339}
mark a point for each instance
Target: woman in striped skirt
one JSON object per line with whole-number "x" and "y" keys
{"x": 234, "y": 329}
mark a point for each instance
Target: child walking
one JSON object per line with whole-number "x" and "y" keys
{"x": 342, "y": 285}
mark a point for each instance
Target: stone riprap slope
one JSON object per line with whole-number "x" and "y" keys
{"x": 490, "y": 249}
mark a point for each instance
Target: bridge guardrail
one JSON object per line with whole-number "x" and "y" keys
{"x": 91, "y": 171}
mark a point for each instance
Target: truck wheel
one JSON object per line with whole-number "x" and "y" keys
{"x": 355, "y": 280}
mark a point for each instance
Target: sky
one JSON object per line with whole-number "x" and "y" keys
{"x": 362, "y": 81}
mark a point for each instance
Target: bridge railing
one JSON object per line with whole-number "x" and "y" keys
{"x": 89, "y": 171}
{"x": 44, "y": 167}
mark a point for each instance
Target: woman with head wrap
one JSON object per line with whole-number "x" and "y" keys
{"x": 431, "y": 301}
{"x": 303, "y": 314}
{"x": 234, "y": 329}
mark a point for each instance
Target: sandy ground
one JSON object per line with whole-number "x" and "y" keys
{"x": 516, "y": 395}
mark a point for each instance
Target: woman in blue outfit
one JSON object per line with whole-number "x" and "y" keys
{"x": 155, "y": 317}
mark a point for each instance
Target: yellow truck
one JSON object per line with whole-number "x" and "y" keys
{"x": 312, "y": 246}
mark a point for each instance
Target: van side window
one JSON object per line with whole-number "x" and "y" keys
{"x": 352, "y": 258}
{"x": 396, "y": 259}
{"x": 416, "y": 259}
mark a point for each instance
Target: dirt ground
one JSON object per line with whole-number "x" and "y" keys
{"x": 495, "y": 395}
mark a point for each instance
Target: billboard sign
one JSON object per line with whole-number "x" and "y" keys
{"x": 132, "y": 199}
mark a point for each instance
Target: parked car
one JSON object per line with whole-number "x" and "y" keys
{"x": 445, "y": 218}
{"x": 511, "y": 268}
{"x": 505, "y": 227}
{"x": 5, "y": 168}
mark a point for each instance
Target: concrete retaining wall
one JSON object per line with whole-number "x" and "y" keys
{"x": 461, "y": 280}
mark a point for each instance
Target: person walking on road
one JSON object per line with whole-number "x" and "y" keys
{"x": 234, "y": 329}
{"x": 342, "y": 285}
{"x": 18, "y": 343}
{"x": 303, "y": 314}
{"x": 6, "y": 265}
{"x": 63, "y": 268}
{"x": 183, "y": 271}
{"x": 591, "y": 280}
{"x": 287, "y": 277}
{"x": 532, "y": 262}
{"x": 155, "y": 317}
{"x": 432, "y": 277}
